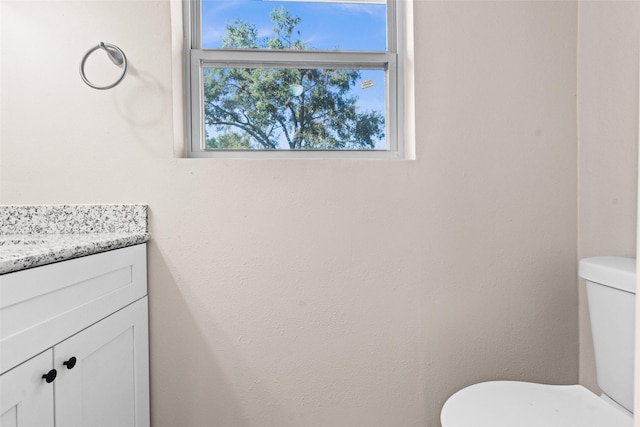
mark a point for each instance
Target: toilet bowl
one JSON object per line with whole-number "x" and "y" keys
{"x": 611, "y": 287}
{"x": 522, "y": 404}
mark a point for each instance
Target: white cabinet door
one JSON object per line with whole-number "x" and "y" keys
{"x": 109, "y": 384}
{"x": 26, "y": 399}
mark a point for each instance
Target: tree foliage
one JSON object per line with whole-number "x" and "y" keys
{"x": 307, "y": 108}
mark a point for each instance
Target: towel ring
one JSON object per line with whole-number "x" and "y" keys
{"x": 115, "y": 54}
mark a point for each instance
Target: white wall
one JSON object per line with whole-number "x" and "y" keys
{"x": 324, "y": 292}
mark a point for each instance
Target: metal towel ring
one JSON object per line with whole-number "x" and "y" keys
{"x": 115, "y": 54}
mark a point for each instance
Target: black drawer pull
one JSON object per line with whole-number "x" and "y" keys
{"x": 70, "y": 363}
{"x": 50, "y": 376}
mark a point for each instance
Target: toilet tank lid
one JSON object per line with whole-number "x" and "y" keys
{"x": 613, "y": 271}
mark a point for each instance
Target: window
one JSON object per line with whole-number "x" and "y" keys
{"x": 293, "y": 78}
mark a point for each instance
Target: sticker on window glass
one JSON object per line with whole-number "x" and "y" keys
{"x": 365, "y": 84}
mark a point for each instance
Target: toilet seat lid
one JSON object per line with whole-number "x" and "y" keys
{"x": 515, "y": 403}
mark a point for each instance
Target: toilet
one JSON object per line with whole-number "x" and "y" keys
{"x": 611, "y": 287}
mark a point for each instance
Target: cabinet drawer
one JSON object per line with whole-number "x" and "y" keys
{"x": 42, "y": 306}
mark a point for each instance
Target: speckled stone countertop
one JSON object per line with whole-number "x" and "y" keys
{"x": 43, "y": 234}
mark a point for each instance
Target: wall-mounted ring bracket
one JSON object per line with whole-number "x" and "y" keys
{"x": 115, "y": 54}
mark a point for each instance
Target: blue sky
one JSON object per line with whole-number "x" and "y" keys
{"x": 325, "y": 25}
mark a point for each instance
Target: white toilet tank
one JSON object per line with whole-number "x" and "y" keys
{"x": 611, "y": 288}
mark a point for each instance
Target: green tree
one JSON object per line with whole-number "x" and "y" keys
{"x": 229, "y": 140}
{"x": 309, "y": 108}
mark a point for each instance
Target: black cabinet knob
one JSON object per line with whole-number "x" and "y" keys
{"x": 70, "y": 363}
{"x": 50, "y": 376}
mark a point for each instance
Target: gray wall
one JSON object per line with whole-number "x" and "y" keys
{"x": 608, "y": 143}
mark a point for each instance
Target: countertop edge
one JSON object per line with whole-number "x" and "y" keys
{"x": 49, "y": 254}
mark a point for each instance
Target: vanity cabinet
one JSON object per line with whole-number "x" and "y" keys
{"x": 74, "y": 343}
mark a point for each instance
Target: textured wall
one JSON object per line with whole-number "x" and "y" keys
{"x": 324, "y": 292}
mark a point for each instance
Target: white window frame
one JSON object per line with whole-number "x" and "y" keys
{"x": 392, "y": 61}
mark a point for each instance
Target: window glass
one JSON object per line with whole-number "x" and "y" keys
{"x": 293, "y": 108}
{"x": 319, "y": 25}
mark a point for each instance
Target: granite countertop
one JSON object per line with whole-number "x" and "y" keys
{"x": 36, "y": 235}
